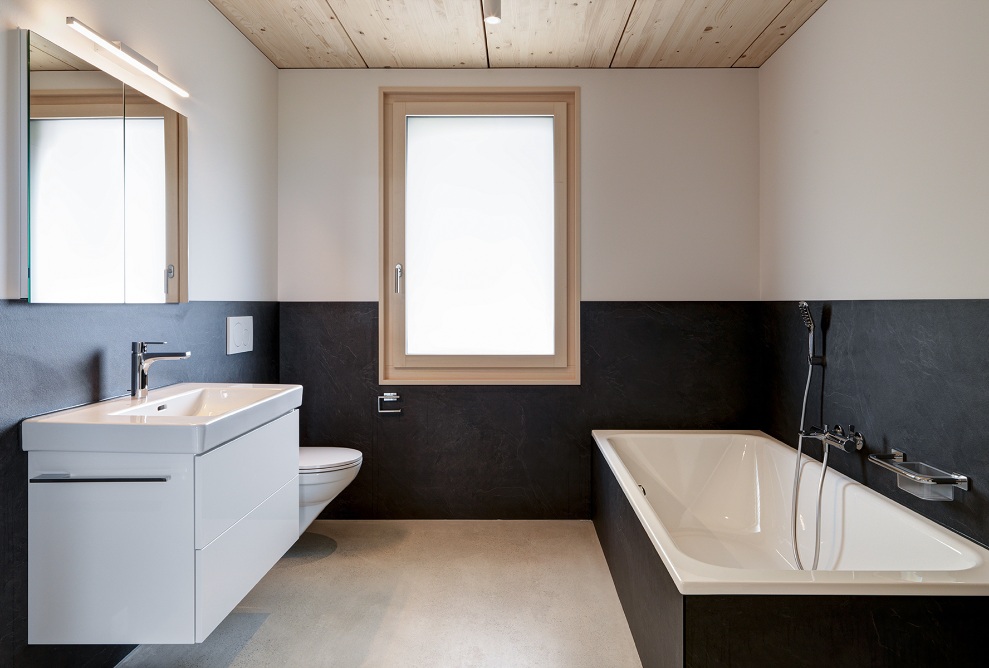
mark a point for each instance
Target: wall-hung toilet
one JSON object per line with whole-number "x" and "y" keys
{"x": 323, "y": 473}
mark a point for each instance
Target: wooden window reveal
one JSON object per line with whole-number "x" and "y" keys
{"x": 553, "y": 354}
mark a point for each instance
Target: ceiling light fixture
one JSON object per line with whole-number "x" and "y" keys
{"x": 492, "y": 12}
{"x": 126, "y": 54}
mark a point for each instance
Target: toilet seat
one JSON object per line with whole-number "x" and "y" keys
{"x": 322, "y": 460}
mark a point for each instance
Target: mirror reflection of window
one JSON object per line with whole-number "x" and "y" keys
{"x": 144, "y": 214}
{"x": 77, "y": 210}
{"x": 105, "y": 186}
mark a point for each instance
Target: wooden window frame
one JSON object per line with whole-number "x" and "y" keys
{"x": 397, "y": 368}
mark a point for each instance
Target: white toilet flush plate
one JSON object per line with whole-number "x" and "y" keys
{"x": 240, "y": 334}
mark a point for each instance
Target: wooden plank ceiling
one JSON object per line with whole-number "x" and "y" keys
{"x": 47, "y": 57}
{"x": 533, "y": 33}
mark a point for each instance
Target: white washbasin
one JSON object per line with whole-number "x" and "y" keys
{"x": 183, "y": 418}
{"x": 203, "y": 401}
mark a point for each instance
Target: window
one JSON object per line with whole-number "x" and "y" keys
{"x": 479, "y": 247}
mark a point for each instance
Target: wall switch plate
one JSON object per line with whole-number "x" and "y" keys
{"x": 240, "y": 334}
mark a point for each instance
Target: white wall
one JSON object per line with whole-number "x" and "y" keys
{"x": 232, "y": 129}
{"x": 669, "y": 192}
{"x": 874, "y": 146}
{"x": 868, "y": 127}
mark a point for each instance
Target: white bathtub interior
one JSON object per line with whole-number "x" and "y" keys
{"x": 717, "y": 507}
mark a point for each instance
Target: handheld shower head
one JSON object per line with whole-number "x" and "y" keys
{"x": 809, "y": 324}
{"x": 806, "y": 316}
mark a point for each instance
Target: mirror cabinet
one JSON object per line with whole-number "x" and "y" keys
{"x": 106, "y": 186}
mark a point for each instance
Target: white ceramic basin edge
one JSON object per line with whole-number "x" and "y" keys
{"x": 182, "y": 418}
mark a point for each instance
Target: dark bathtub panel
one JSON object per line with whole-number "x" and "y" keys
{"x": 756, "y": 631}
{"x": 653, "y": 605}
{"x": 911, "y": 375}
{"x": 828, "y": 631}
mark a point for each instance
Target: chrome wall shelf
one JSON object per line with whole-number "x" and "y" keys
{"x": 922, "y": 480}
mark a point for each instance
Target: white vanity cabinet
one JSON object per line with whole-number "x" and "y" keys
{"x": 145, "y": 547}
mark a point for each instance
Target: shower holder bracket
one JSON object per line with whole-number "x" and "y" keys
{"x": 922, "y": 480}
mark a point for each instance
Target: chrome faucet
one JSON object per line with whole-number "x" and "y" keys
{"x": 849, "y": 441}
{"x": 141, "y": 360}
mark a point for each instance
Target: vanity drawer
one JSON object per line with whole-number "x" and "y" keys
{"x": 235, "y": 478}
{"x": 110, "y": 561}
{"x": 230, "y": 566}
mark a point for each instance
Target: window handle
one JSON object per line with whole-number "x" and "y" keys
{"x": 169, "y": 273}
{"x": 398, "y": 279}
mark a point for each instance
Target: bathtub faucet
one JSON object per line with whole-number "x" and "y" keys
{"x": 849, "y": 441}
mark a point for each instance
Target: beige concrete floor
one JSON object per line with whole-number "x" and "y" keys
{"x": 424, "y": 593}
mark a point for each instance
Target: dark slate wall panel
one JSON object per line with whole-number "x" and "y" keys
{"x": 516, "y": 452}
{"x": 56, "y": 356}
{"x": 910, "y": 375}
{"x": 332, "y": 350}
{"x": 671, "y": 365}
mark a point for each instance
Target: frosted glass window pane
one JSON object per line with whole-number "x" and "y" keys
{"x": 479, "y": 233}
{"x": 77, "y": 210}
{"x": 145, "y": 223}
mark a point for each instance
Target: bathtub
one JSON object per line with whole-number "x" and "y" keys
{"x": 716, "y": 506}
{"x": 695, "y": 527}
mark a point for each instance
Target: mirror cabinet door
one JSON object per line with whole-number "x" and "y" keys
{"x": 104, "y": 191}
{"x": 151, "y": 172}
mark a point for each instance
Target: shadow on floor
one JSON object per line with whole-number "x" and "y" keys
{"x": 218, "y": 651}
{"x": 386, "y": 536}
{"x": 309, "y": 548}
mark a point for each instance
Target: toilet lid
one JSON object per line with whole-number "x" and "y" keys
{"x": 312, "y": 460}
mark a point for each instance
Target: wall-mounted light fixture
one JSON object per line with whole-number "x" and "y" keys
{"x": 492, "y": 11}
{"x": 128, "y": 55}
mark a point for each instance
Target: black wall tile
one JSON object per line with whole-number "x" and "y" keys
{"x": 56, "y": 356}
{"x": 910, "y": 375}
{"x": 516, "y": 452}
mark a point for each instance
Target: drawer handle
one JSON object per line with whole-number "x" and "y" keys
{"x": 65, "y": 477}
